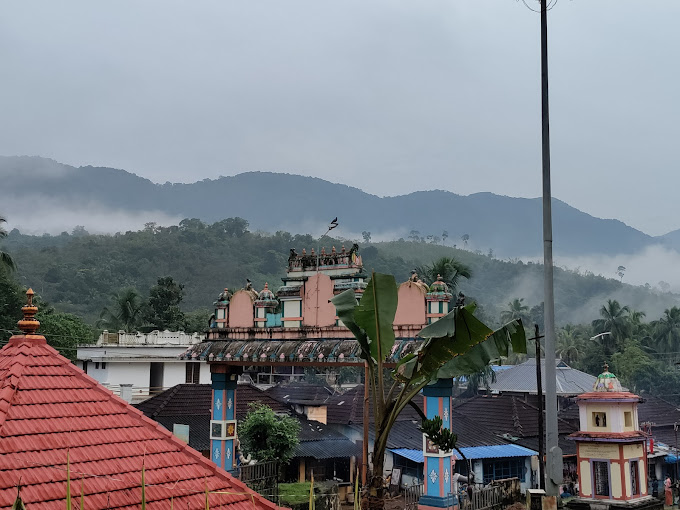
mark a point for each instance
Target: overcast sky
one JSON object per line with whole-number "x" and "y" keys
{"x": 389, "y": 96}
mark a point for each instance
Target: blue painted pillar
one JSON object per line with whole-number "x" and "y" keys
{"x": 438, "y": 465}
{"x": 223, "y": 420}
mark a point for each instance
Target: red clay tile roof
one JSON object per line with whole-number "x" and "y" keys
{"x": 48, "y": 406}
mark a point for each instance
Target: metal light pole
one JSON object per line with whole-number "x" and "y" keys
{"x": 553, "y": 451}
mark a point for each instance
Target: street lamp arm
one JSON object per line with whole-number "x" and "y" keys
{"x": 601, "y": 334}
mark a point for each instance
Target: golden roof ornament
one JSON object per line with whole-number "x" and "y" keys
{"x": 29, "y": 325}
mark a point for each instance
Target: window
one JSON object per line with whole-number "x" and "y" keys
{"x": 96, "y": 365}
{"x": 601, "y": 477}
{"x": 500, "y": 469}
{"x": 628, "y": 419}
{"x": 216, "y": 430}
{"x": 193, "y": 373}
{"x": 103, "y": 365}
{"x": 599, "y": 419}
{"x": 634, "y": 475}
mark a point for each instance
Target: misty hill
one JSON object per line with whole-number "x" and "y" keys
{"x": 79, "y": 272}
{"x": 511, "y": 227}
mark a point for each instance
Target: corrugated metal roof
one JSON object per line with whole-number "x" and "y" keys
{"x": 522, "y": 379}
{"x": 414, "y": 455}
{"x": 327, "y": 449}
{"x": 499, "y": 451}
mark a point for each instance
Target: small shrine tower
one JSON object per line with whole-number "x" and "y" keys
{"x": 438, "y": 299}
{"x": 611, "y": 448}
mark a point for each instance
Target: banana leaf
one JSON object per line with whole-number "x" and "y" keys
{"x": 459, "y": 344}
{"x": 375, "y": 314}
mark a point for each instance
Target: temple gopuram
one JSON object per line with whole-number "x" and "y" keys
{"x": 295, "y": 326}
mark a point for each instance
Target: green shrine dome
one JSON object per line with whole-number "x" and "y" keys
{"x": 607, "y": 382}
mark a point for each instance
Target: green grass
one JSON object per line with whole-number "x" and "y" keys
{"x": 294, "y": 493}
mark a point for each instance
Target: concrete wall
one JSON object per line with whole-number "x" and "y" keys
{"x": 241, "y": 310}
{"x": 175, "y": 373}
{"x": 317, "y": 309}
{"x": 411, "y": 305}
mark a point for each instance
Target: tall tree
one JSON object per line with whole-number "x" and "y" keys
{"x": 569, "y": 345}
{"x": 163, "y": 311}
{"x": 6, "y": 260}
{"x": 516, "y": 309}
{"x": 612, "y": 324}
{"x": 455, "y": 345}
{"x": 366, "y": 235}
{"x": 450, "y": 269}
{"x": 620, "y": 272}
{"x": 465, "y": 238}
{"x": 667, "y": 331}
{"x": 11, "y": 301}
{"x": 64, "y": 331}
{"x": 124, "y": 313}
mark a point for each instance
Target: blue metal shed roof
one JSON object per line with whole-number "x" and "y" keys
{"x": 414, "y": 455}
{"x": 497, "y": 451}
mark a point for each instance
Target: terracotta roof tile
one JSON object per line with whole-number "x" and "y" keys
{"x": 49, "y": 407}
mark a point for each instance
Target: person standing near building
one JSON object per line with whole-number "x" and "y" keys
{"x": 668, "y": 492}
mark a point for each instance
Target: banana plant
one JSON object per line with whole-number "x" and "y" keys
{"x": 457, "y": 344}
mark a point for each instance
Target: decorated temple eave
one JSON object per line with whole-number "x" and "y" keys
{"x": 605, "y": 396}
{"x": 284, "y": 352}
{"x": 609, "y": 437}
{"x": 404, "y": 332}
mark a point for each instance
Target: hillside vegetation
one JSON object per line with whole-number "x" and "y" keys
{"x": 79, "y": 272}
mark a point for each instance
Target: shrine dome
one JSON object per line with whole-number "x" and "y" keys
{"x": 266, "y": 297}
{"x": 608, "y": 388}
{"x": 439, "y": 286}
{"x": 607, "y": 382}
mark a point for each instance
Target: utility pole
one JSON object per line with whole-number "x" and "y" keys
{"x": 554, "y": 454}
{"x": 541, "y": 417}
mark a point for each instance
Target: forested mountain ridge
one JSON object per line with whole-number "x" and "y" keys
{"x": 511, "y": 227}
{"x": 79, "y": 272}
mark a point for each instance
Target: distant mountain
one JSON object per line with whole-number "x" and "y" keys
{"x": 511, "y": 227}
{"x": 672, "y": 239}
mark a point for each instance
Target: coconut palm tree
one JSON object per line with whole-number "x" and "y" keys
{"x": 516, "y": 310}
{"x": 125, "y": 312}
{"x": 635, "y": 325}
{"x": 613, "y": 320}
{"x": 482, "y": 379}
{"x": 569, "y": 345}
{"x": 450, "y": 269}
{"x": 6, "y": 260}
{"x": 667, "y": 331}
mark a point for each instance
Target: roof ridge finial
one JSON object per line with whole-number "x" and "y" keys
{"x": 606, "y": 367}
{"x": 29, "y": 325}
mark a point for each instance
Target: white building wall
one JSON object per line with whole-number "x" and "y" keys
{"x": 174, "y": 372}
{"x": 135, "y": 373}
{"x": 204, "y": 376}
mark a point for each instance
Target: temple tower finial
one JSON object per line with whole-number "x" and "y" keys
{"x": 29, "y": 325}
